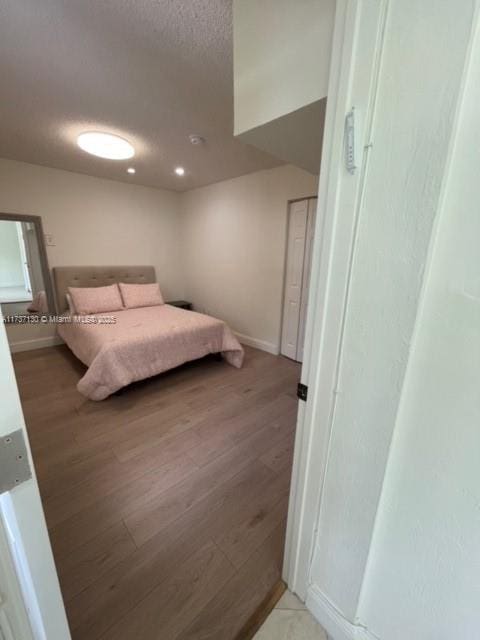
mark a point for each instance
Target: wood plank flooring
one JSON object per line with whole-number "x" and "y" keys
{"x": 166, "y": 504}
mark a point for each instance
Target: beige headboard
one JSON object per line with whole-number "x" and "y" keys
{"x": 64, "y": 277}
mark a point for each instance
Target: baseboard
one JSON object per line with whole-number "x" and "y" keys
{"x": 263, "y": 345}
{"x": 34, "y": 343}
{"x": 50, "y": 341}
{"x": 336, "y": 626}
{"x": 262, "y": 612}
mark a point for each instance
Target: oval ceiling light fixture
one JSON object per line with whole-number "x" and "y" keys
{"x": 180, "y": 171}
{"x": 131, "y": 170}
{"x": 105, "y": 145}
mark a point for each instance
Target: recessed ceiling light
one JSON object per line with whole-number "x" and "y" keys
{"x": 105, "y": 145}
{"x": 196, "y": 139}
{"x": 180, "y": 171}
{"x": 130, "y": 170}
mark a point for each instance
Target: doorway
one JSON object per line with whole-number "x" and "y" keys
{"x": 300, "y": 233}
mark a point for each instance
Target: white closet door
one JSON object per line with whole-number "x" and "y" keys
{"x": 307, "y": 265}
{"x": 297, "y": 229}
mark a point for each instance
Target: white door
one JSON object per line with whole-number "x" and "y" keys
{"x": 301, "y": 224}
{"x": 31, "y": 605}
{"x": 14, "y": 620}
{"x": 355, "y": 65}
{"x": 307, "y": 266}
{"x": 297, "y": 230}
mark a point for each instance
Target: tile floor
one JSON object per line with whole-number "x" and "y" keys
{"x": 290, "y": 620}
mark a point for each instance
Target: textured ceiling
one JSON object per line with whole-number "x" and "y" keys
{"x": 153, "y": 71}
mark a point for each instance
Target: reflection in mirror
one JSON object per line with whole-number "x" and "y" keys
{"x": 25, "y": 287}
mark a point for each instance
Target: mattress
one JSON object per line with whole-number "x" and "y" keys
{"x": 135, "y": 344}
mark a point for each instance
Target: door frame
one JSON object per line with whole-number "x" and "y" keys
{"x": 306, "y": 276}
{"x": 26, "y": 549}
{"x": 285, "y": 263}
{"x": 14, "y": 617}
{"x": 357, "y": 49}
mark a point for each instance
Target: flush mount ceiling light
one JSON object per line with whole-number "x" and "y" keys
{"x": 130, "y": 170}
{"x": 105, "y": 145}
{"x": 180, "y": 171}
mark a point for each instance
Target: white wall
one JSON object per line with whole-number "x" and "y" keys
{"x": 281, "y": 57}
{"x": 95, "y": 221}
{"x": 222, "y": 246}
{"x": 406, "y": 168}
{"x": 234, "y": 235}
{"x": 424, "y": 572}
{"x": 11, "y": 270}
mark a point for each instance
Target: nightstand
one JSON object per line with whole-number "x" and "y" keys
{"x": 183, "y": 304}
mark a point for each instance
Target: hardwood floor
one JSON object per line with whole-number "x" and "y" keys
{"x": 166, "y": 504}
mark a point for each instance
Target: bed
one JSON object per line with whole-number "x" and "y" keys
{"x": 139, "y": 342}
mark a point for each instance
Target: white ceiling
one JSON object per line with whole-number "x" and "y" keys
{"x": 153, "y": 71}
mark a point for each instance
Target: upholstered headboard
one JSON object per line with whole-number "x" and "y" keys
{"x": 64, "y": 277}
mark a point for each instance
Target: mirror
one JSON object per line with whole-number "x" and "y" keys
{"x": 25, "y": 286}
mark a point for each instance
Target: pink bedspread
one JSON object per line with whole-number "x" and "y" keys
{"x": 145, "y": 342}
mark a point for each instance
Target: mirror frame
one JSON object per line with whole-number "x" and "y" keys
{"x": 37, "y": 221}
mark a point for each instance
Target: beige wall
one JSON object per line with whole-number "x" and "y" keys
{"x": 96, "y": 221}
{"x": 281, "y": 66}
{"x": 234, "y": 235}
{"x": 281, "y": 57}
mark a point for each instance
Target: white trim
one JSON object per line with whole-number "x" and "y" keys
{"x": 24, "y": 577}
{"x": 263, "y": 345}
{"x": 304, "y": 492}
{"x": 34, "y": 343}
{"x": 356, "y": 54}
{"x": 14, "y": 614}
{"x": 332, "y": 620}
